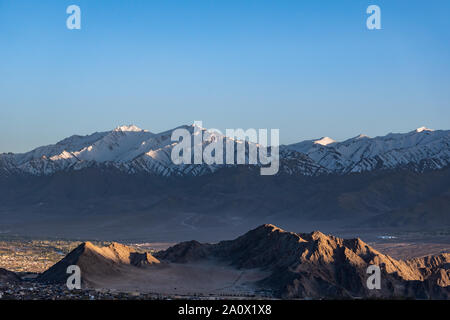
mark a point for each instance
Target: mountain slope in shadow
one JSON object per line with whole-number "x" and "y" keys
{"x": 92, "y": 203}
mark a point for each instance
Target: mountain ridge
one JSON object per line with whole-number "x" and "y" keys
{"x": 316, "y": 265}
{"x": 134, "y": 150}
{"x": 295, "y": 265}
{"x": 93, "y": 202}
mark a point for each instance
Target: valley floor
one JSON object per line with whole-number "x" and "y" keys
{"x": 205, "y": 278}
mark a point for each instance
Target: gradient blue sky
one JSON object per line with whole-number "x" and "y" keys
{"x": 310, "y": 68}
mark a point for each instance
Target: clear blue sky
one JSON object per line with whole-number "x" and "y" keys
{"x": 310, "y": 68}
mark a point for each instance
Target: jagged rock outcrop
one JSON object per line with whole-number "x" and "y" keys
{"x": 316, "y": 265}
{"x": 295, "y": 265}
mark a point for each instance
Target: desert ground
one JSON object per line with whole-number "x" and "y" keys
{"x": 202, "y": 278}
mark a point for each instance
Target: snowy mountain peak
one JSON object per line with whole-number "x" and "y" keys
{"x": 132, "y": 150}
{"x": 131, "y": 128}
{"x": 324, "y": 141}
{"x": 361, "y": 136}
{"x": 421, "y": 129}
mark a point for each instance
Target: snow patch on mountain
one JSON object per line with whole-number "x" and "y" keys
{"x": 324, "y": 141}
{"x": 421, "y": 129}
{"x": 420, "y": 149}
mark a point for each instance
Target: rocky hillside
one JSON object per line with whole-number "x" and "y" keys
{"x": 294, "y": 265}
{"x": 97, "y": 261}
{"x": 315, "y": 265}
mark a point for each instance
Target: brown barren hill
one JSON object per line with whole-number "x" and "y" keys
{"x": 315, "y": 265}
{"x": 94, "y": 262}
{"x": 289, "y": 265}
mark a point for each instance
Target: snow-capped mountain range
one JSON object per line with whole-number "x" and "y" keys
{"x": 133, "y": 150}
{"x": 419, "y": 150}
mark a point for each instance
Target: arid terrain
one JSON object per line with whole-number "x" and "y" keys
{"x": 191, "y": 279}
{"x": 266, "y": 262}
